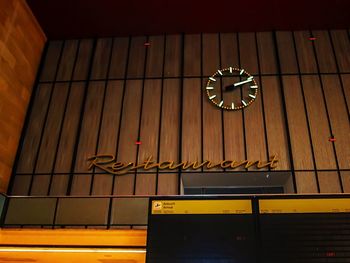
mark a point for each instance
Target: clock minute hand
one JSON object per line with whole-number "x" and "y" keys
{"x": 243, "y": 82}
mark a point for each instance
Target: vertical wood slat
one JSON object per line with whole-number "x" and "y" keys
{"x": 338, "y": 118}
{"x": 247, "y": 52}
{"x": 306, "y": 182}
{"x": 124, "y": 184}
{"x": 83, "y": 59}
{"x": 191, "y": 121}
{"x": 149, "y": 133}
{"x": 299, "y": 136}
{"x": 286, "y": 53}
{"x": 119, "y": 57}
{"x": 51, "y": 61}
{"x": 317, "y": 116}
{"x": 210, "y": 54}
{"x": 102, "y": 184}
{"x": 345, "y": 175}
{"x": 136, "y": 63}
{"x": 192, "y": 55}
{"x": 341, "y": 44}
{"x": 21, "y": 184}
{"x": 346, "y": 83}
{"x": 154, "y": 65}
{"x": 324, "y": 52}
{"x": 232, "y": 121}
{"x": 275, "y": 128}
{"x": 67, "y": 61}
{"x": 101, "y": 58}
{"x": 329, "y": 182}
{"x": 33, "y": 132}
{"x": 267, "y": 57}
{"x": 254, "y": 131}
{"x": 173, "y": 56}
{"x": 88, "y": 137}
{"x": 305, "y": 53}
{"x": 169, "y": 137}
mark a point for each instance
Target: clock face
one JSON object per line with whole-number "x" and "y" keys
{"x": 232, "y": 88}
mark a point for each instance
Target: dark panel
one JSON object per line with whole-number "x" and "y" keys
{"x": 119, "y": 57}
{"x": 338, "y": 117}
{"x": 341, "y": 44}
{"x": 83, "y": 60}
{"x": 82, "y": 211}
{"x": 136, "y": 63}
{"x": 306, "y": 182}
{"x": 129, "y": 211}
{"x": 345, "y": 176}
{"x": 88, "y": 136}
{"x": 210, "y": 54}
{"x": 154, "y": 67}
{"x": 101, "y": 58}
{"x": 51, "y": 61}
{"x": 169, "y": 136}
{"x": 124, "y": 184}
{"x": 65, "y": 70}
{"x": 275, "y": 128}
{"x": 173, "y": 56}
{"x": 35, "y": 211}
{"x": 324, "y": 52}
{"x": 149, "y": 134}
{"x": 33, "y": 132}
{"x": 192, "y": 55}
{"x": 329, "y": 182}
{"x": 286, "y": 52}
{"x": 109, "y": 134}
{"x": 299, "y": 136}
{"x": 306, "y": 56}
{"x": 323, "y": 151}
{"x": 191, "y": 121}
{"x": 247, "y": 52}
{"x": 267, "y": 57}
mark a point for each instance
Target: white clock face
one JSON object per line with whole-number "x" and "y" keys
{"x": 232, "y": 88}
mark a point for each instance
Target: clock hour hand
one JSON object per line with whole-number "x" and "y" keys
{"x": 230, "y": 87}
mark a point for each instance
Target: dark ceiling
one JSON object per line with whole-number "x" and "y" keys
{"x": 92, "y": 18}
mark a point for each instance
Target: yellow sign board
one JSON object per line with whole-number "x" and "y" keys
{"x": 328, "y": 205}
{"x": 180, "y": 207}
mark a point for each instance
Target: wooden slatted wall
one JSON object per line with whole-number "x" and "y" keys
{"x": 100, "y": 96}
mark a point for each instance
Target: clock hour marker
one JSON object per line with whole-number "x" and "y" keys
{"x": 232, "y": 105}
{"x": 221, "y": 102}
{"x": 212, "y": 79}
{"x": 212, "y": 97}
{"x": 240, "y": 73}
{"x": 244, "y": 103}
{"x": 219, "y": 71}
{"x": 230, "y": 69}
{"x": 209, "y": 88}
{"x": 252, "y": 96}
{"x": 253, "y": 87}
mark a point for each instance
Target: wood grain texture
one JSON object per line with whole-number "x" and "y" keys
{"x": 101, "y": 58}
{"x": 267, "y": 53}
{"x": 345, "y": 176}
{"x": 324, "y": 52}
{"x": 173, "y": 56}
{"x": 210, "y": 54}
{"x": 83, "y": 59}
{"x": 229, "y": 50}
{"x": 341, "y": 44}
{"x": 66, "y": 66}
{"x": 124, "y": 184}
{"x": 275, "y": 122}
{"x": 20, "y": 185}
{"x": 299, "y": 135}
{"x": 192, "y": 55}
{"x": 102, "y": 184}
{"x": 286, "y": 52}
{"x": 305, "y": 52}
{"x": 329, "y": 182}
{"x": 136, "y": 65}
{"x": 51, "y": 61}
{"x": 306, "y": 182}
{"x": 21, "y": 44}
{"x": 345, "y": 79}
{"x": 119, "y": 57}
{"x": 155, "y": 57}
{"x": 319, "y": 127}
{"x": 149, "y": 135}
{"x": 169, "y": 135}
{"x": 338, "y": 118}
{"x": 247, "y": 52}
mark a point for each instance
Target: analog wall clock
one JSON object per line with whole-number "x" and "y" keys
{"x": 232, "y": 88}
